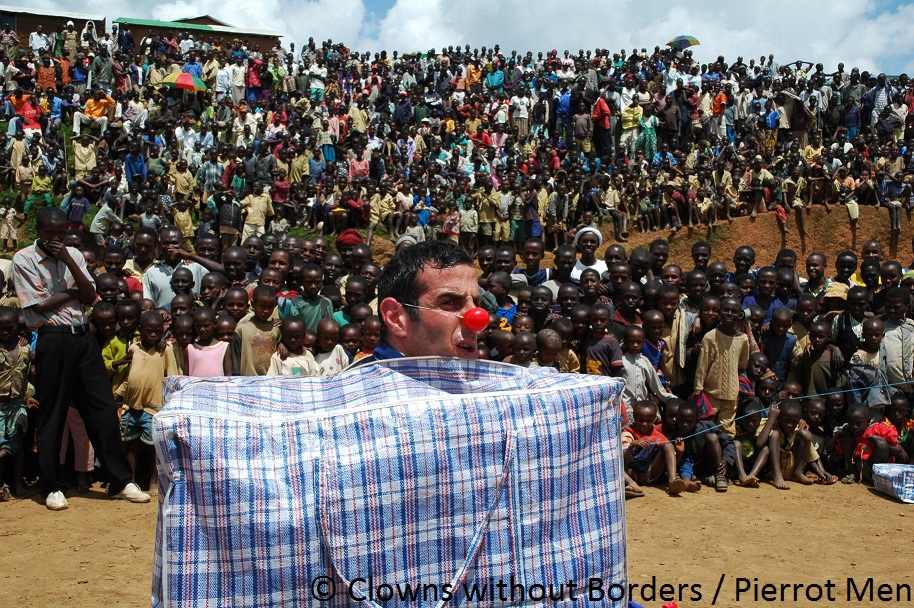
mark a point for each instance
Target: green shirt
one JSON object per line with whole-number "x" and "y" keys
{"x": 310, "y": 311}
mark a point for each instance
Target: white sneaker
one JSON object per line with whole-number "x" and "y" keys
{"x": 133, "y": 493}
{"x": 56, "y": 501}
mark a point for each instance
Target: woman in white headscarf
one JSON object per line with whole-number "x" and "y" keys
{"x": 586, "y": 241}
{"x": 89, "y": 37}
{"x": 70, "y": 41}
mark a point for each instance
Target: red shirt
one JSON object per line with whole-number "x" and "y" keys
{"x": 630, "y": 435}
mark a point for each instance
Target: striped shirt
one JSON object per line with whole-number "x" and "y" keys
{"x": 37, "y": 276}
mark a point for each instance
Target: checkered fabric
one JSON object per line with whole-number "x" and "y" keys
{"x": 895, "y": 480}
{"x": 410, "y": 472}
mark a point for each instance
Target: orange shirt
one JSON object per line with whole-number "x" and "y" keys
{"x": 98, "y": 108}
{"x": 719, "y": 102}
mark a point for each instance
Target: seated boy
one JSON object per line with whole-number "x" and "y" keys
{"x": 646, "y": 451}
{"x": 792, "y": 445}
{"x": 751, "y": 451}
{"x": 897, "y": 414}
{"x": 860, "y": 444}
{"x": 707, "y": 452}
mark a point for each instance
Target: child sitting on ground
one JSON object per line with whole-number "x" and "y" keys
{"x": 707, "y": 453}
{"x": 668, "y": 417}
{"x": 299, "y": 362}
{"x": 818, "y": 429}
{"x": 751, "y": 451}
{"x": 151, "y": 362}
{"x": 648, "y": 453}
{"x": 791, "y": 445}
{"x": 897, "y": 413}
{"x": 861, "y": 443}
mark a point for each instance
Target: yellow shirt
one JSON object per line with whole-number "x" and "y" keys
{"x": 258, "y": 208}
{"x": 148, "y": 370}
{"x": 184, "y": 222}
{"x": 184, "y": 183}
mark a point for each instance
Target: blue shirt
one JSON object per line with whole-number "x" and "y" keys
{"x": 780, "y": 352}
{"x": 134, "y": 165}
{"x": 563, "y": 103}
{"x": 194, "y": 69}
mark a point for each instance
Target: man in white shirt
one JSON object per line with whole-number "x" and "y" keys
{"x": 521, "y": 105}
{"x": 318, "y": 75}
{"x": 223, "y": 81}
{"x": 39, "y": 41}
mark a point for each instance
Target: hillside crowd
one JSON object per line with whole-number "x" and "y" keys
{"x": 189, "y": 232}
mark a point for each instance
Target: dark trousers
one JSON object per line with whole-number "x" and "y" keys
{"x": 69, "y": 369}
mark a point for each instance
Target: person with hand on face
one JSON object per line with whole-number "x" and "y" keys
{"x": 422, "y": 294}
{"x": 157, "y": 279}
{"x": 54, "y": 289}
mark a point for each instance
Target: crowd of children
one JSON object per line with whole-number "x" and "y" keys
{"x": 733, "y": 373}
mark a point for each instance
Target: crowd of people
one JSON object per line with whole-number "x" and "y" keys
{"x": 220, "y": 232}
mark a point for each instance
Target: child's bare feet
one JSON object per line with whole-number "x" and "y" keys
{"x": 780, "y": 485}
{"x": 691, "y": 485}
{"x": 799, "y": 477}
{"x": 748, "y": 482}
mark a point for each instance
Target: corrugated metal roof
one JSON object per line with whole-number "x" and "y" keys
{"x": 5, "y": 8}
{"x": 176, "y": 25}
{"x": 210, "y": 17}
{"x": 181, "y": 26}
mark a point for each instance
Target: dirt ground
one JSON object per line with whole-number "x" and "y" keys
{"x": 99, "y": 552}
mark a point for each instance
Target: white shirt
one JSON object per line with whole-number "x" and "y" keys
{"x": 224, "y": 80}
{"x": 39, "y": 41}
{"x": 318, "y": 75}
{"x": 521, "y": 106}
{"x": 600, "y": 266}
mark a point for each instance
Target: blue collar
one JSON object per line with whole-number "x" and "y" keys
{"x": 386, "y": 351}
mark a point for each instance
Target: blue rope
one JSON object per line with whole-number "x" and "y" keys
{"x": 766, "y": 410}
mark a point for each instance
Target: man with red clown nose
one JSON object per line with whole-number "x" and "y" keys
{"x": 428, "y": 302}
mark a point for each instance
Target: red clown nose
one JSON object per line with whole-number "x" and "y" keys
{"x": 476, "y": 319}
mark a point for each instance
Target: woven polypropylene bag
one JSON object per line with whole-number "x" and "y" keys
{"x": 414, "y": 474}
{"x": 895, "y": 480}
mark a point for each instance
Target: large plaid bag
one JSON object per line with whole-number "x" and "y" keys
{"x": 895, "y": 480}
{"x": 480, "y": 483}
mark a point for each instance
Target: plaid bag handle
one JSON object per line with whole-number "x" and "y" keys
{"x": 475, "y": 542}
